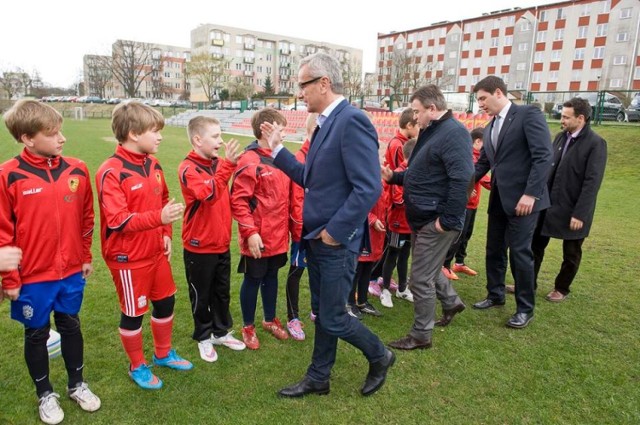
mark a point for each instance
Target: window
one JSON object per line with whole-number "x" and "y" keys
{"x": 462, "y": 80}
{"x": 553, "y": 75}
{"x": 535, "y": 77}
{"x": 451, "y": 71}
{"x": 496, "y": 24}
{"x": 454, "y": 37}
{"x": 562, "y": 14}
{"x": 523, "y": 47}
{"x": 619, "y": 60}
{"x": 625, "y": 13}
{"x": 579, "y": 54}
{"x": 511, "y": 20}
{"x": 582, "y": 31}
{"x": 538, "y": 57}
{"x": 615, "y": 83}
{"x": 492, "y": 60}
{"x": 464, "y": 63}
{"x": 519, "y": 85}
{"x": 636, "y": 73}
{"x": 598, "y": 52}
{"x": 465, "y": 45}
{"x": 494, "y": 42}
{"x": 507, "y": 59}
{"x": 411, "y": 38}
{"x": 521, "y": 66}
{"x": 542, "y": 17}
{"x": 601, "y": 30}
{"x": 622, "y": 36}
{"x": 453, "y": 54}
{"x": 586, "y": 10}
{"x": 508, "y": 40}
{"x": 238, "y": 39}
{"x": 606, "y": 6}
{"x": 505, "y": 78}
{"x": 556, "y": 55}
{"x": 576, "y": 75}
{"x": 400, "y": 46}
{"x": 477, "y": 62}
{"x": 559, "y": 34}
{"x": 541, "y": 37}
{"x": 525, "y": 25}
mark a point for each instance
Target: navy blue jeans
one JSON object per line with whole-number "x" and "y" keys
{"x": 331, "y": 273}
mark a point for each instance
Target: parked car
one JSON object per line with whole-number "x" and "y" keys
{"x": 181, "y": 104}
{"x": 114, "y": 101}
{"x": 612, "y": 107}
{"x": 633, "y": 111}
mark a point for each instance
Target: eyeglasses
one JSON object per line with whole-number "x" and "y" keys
{"x": 302, "y": 86}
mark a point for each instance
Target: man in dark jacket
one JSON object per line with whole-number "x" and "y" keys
{"x": 580, "y": 157}
{"x": 435, "y": 194}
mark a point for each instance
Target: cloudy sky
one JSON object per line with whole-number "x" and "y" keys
{"x": 52, "y": 36}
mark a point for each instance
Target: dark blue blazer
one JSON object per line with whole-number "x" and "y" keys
{"x": 341, "y": 177}
{"x": 521, "y": 162}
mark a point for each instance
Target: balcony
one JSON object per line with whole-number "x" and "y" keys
{"x": 285, "y": 52}
{"x": 217, "y": 42}
{"x": 248, "y": 73}
{"x": 249, "y": 60}
{"x": 249, "y": 46}
{"x": 284, "y": 77}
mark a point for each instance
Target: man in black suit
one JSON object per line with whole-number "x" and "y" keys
{"x": 579, "y": 160}
{"x": 517, "y": 150}
{"x": 341, "y": 183}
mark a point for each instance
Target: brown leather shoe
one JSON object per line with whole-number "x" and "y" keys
{"x": 511, "y": 289}
{"x": 410, "y": 343}
{"x": 555, "y": 296}
{"x": 447, "y": 315}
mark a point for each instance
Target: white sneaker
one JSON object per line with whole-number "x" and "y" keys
{"x": 229, "y": 341}
{"x": 88, "y": 401}
{"x": 385, "y": 298}
{"x": 405, "y": 295}
{"x": 49, "y": 409}
{"x": 207, "y": 351}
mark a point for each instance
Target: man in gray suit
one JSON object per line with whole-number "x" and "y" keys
{"x": 517, "y": 150}
{"x": 579, "y": 160}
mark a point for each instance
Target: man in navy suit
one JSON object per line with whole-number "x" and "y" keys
{"x": 341, "y": 181}
{"x": 517, "y": 149}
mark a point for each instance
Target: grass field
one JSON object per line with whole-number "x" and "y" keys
{"x": 578, "y": 363}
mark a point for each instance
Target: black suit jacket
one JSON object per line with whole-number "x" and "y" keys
{"x": 521, "y": 162}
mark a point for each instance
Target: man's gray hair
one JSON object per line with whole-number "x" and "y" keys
{"x": 324, "y": 65}
{"x": 430, "y": 95}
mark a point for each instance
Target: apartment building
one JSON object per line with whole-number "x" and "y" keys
{"x": 566, "y": 46}
{"x": 252, "y": 56}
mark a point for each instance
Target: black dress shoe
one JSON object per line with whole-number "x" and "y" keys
{"x": 410, "y": 343}
{"x": 304, "y": 387}
{"x": 378, "y": 373}
{"x": 447, "y": 315}
{"x": 520, "y": 320}
{"x": 487, "y": 303}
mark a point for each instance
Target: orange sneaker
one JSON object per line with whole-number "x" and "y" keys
{"x": 463, "y": 268}
{"x": 275, "y": 328}
{"x": 449, "y": 274}
{"x": 249, "y": 337}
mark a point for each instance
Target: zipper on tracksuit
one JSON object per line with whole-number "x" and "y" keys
{"x": 57, "y": 218}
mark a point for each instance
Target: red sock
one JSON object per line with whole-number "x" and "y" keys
{"x": 132, "y": 343}
{"x": 161, "y": 330}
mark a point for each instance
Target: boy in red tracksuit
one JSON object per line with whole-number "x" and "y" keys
{"x": 459, "y": 248}
{"x": 46, "y": 211}
{"x": 408, "y": 129}
{"x": 399, "y": 246}
{"x": 135, "y": 231}
{"x": 206, "y": 234}
{"x": 260, "y": 205}
{"x": 369, "y": 256}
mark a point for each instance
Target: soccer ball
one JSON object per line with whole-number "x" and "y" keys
{"x": 53, "y": 344}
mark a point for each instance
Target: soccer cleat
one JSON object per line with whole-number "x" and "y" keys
{"x": 144, "y": 378}
{"x": 295, "y": 329}
{"x": 367, "y": 308}
{"x": 463, "y": 268}
{"x": 354, "y": 311}
{"x": 405, "y": 295}
{"x": 207, "y": 351}
{"x": 49, "y": 408}
{"x": 173, "y": 361}
{"x": 385, "y": 298}
{"x": 275, "y": 328}
{"x": 449, "y": 274}
{"x": 249, "y": 337}
{"x": 81, "y": 394}
{"x": 375, "y": 288}
{"x": 229, "y": 341}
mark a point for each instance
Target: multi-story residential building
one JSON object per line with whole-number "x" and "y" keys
{"x": 158, "y": 71}
{"x": 584, "y": 45}
{"x": 251, "y": 57}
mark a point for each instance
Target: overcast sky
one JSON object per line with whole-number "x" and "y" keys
{"x": 52, "y": 36}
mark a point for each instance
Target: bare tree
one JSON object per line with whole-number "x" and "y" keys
{"x": 28, "y": 81}
{"x": 11, "y": 83}
{"x": 209, "y": 71}
{"x": 352, "y": 77}
{"x": 97, "y": 74}
{"x": 132, "y": 64}
{"x": 239, "y": 88}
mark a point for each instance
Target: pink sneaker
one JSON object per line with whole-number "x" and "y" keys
{"x": 312, "y": 317}
{"x": 393, "y": 285}
{"x": 295, "y": 329}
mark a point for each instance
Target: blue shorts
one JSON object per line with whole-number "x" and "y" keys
{"x": 37, "y": 300}
{"x": 298, "y": 255}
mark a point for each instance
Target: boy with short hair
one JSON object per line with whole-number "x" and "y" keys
{"x": 408, "y": 129}
{"x": 135, "y": 231}
{"x": 260, "y": 205}
{"x": 206, "y": 234}
{"x": 46, "y": 210}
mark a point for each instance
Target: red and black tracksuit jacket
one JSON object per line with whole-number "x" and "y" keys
{"x": 132, "y": 192}
{"x": 46, "y": 209}
{"x": 206, "y": 228}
